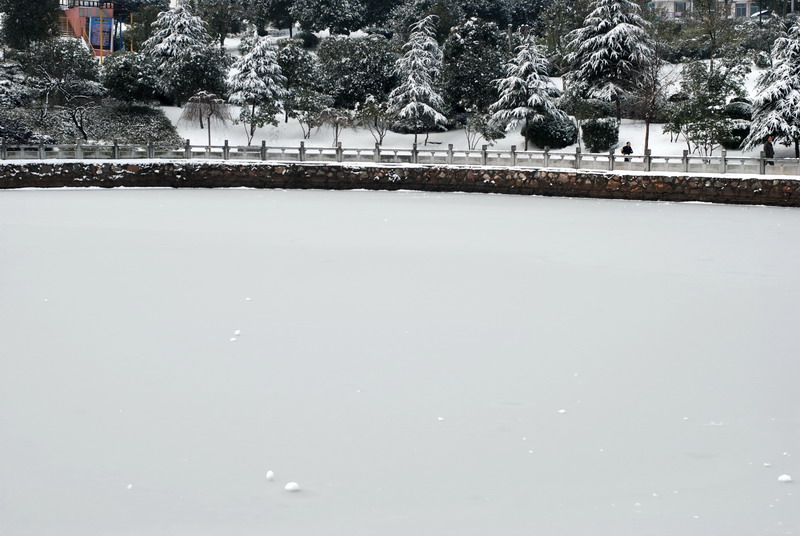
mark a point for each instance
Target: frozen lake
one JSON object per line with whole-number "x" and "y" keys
{"x": 419, "y": 364}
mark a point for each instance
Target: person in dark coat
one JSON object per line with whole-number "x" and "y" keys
{"x": 769, "y": 150}
{"x": 627, "y": 151}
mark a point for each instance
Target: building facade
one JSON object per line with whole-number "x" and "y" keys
{"x": 89, "y": 20}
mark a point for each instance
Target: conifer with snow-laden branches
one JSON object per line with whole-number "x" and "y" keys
{"x": 526, "y": 93}
{"x": 258, "y": 86}
{"x": 606, "y": 54}
{"x": 776, "y": 107}
{"x": 185, "y": 60}
{"x": 415, "y": 101}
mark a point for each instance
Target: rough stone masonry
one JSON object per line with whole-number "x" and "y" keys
{"x": 521, "y": 181}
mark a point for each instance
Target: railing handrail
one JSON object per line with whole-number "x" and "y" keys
{"x": 542, "y": 158}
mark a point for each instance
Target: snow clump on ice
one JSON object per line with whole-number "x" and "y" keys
{"x": 784, "y": 478}
{"x": 270, "y": 475}
{"x": 292, "y": 486}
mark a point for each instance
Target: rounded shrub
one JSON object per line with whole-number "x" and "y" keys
{"x": 554, "y": 132}
{"x": 308, "y": 39}
{"x": 735, "y": 135}
{"x": 600, "y": 135}
{"x": 739, "y": 110}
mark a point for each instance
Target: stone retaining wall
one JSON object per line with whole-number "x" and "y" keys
{"x": 566, "y": 183}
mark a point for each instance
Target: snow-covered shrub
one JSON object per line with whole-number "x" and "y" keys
{"x": 111, "y": 120}
{"x": 129, "y": 76}
{"x": 552, "y": 131}
{"x": 115, "y": 120}
{"x": 736, "y": 134}
{"x": 762, "y": 60}
{"x": 13, "y": 132}
{"x": 16, "y": 89}
{"x": 308, "y": 39}
{"x": 739, "y": 110}
{"x": 600, "y": 135}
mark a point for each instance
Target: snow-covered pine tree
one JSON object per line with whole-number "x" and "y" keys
{"x": 184, "y": 58}
{"x": 607, "y": 52}
{"x": 414, "y": 101}
{"x": 258, "y": 86}
{"x": 776, "y": 110}
{"x": 526, "y": 93}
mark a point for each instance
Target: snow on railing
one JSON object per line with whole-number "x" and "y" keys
{"x": 483, "y": 157}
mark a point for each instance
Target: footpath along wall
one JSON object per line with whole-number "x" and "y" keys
{"x": 520, "y": 181}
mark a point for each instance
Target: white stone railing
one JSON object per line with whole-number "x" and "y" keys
{"x": 485, "y": 156}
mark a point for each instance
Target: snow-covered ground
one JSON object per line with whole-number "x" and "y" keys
{"x": 424, "y": 364}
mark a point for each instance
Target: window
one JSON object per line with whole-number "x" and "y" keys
{"x": 679, "y": 9}
{"x": 741, "y": 10}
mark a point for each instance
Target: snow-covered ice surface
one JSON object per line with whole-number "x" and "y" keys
{"x": 420, "y": 363}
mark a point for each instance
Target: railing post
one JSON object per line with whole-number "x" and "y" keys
{"x": 302, "y": 154}
{"x": 762, "y": 163}
{"x": 41, "y": 150}
{"x": 611, "y": 159}
{"x": 513, "y": 156}
{"x": 546, "y": 156}
{"x": 339, "y": 152}
{"x": 484, "y": 155}
{"x": 723, "y": 164}
{"x": 3, "y": 154}
{"x": 187, "y": 150}
{"x": 151, "y": 149}
{"x": 263, "y": 149}
{"x": 578, "y": 157}
{"x": 376, "y": 153}
{"x": 115, "y": 150}
{"x": 450, "y": 153}
{"x": 226, "y": 151}
{"x": 78, "y": 149}
{"x": 414, "y": 154}
{"x": 685, "y": 161}
{"x": 648, "y": 160}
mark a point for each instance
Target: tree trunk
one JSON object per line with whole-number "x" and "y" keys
{"x": 646, "y": 135}
{"x": 797, "y": 147}
{"x": 208, "y": 120}
{"x": 525, "y": 134}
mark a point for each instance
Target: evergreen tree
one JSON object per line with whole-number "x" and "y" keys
{"x": 448, "y": 13}
{"x": 221, "y": 16}
{"x": 184, "y": 58}
{"x": 378, "y": 11}
{"x": 526, "y": 92}
{"x": 301, "y": 72}
{"x": 558, "y": 18}
{"x": 474, "y": 55}
{"x": 700, "y": 118}
{"x": 129, "y": 77}
{"x": 26, "y": 22}
{"x": 776, "y": 110}
{"x": 352, "y": 68}
{"x": 258, "y": 86}
{"x": 607, "y": 53}
{"x": 415, "y": 102}
{"x": 339, "y": 16}
{"x": 261, "y": 13}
